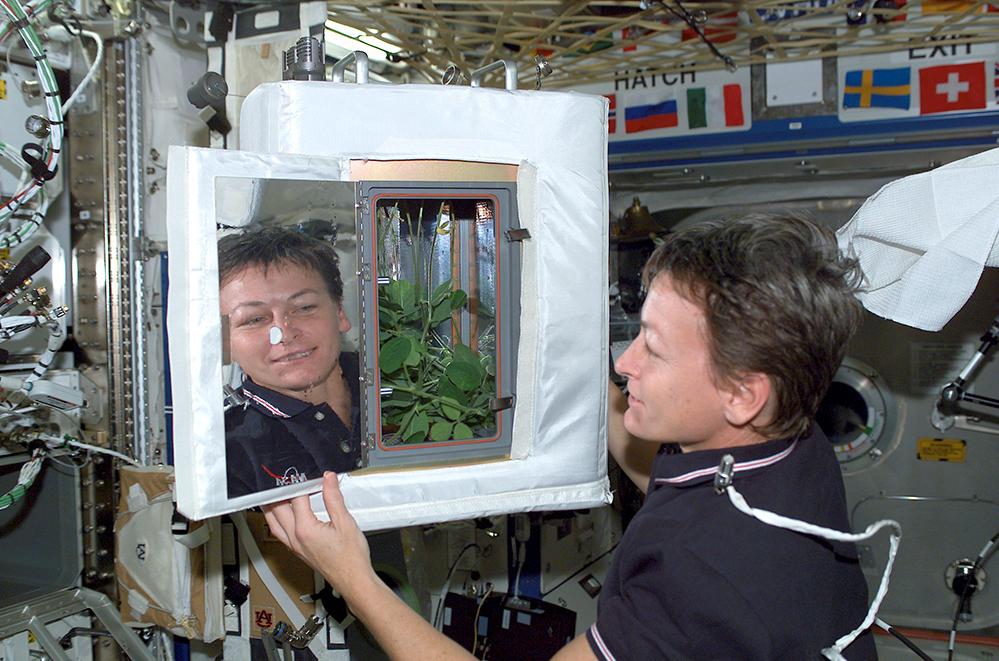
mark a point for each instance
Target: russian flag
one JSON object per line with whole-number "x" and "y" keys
{"x": 651, "y": 116}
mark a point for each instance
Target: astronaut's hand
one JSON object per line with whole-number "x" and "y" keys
{"x": 337, "y": 549}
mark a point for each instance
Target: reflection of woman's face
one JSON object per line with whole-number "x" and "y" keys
{"x": 295, "y": 300}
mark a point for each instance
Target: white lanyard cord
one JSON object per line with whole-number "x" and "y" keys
{"x": 834, "y": 652}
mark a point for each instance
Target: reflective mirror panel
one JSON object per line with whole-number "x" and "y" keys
{"x": 287, "y": 256}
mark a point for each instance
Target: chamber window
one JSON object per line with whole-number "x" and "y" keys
{"x": 440, "y": 322}
{"x": 437, "y": 319}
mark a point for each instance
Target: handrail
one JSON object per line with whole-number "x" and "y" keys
{"x": 360, "y": 60}
{"x": 511, "y": 73}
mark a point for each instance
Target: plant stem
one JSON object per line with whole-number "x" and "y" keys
{"x": 422, "y": 393}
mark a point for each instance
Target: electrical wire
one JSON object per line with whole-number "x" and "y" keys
{"x": 72, "y": 465}
{"x": 47, "y": 159}
{"x": 98, "y": 58}
{"x": 979, "y": 561}
{"x": 27, "y": 228}
{"x": 447, "y": 584}
{"x": 684, "y": 15}
{"x": 31, "y": 9}
{"x": 29, "y": 471}
{"x": 475, "y": 622}
{"x": 67, "y": 440}
{"x": 99, "y": 450}
{"x": 20, "y": 415}
{"x": 57, "y": 334}
{"x": 580, "y": 570}
{"x": 521, "y": 556}
{"x": 905, "y": 640}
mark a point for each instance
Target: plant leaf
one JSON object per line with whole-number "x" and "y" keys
{"x": 441, "y": 312}
{"x": 462, "y": 353}
{"x": 407, "y": 421}
{"x": 464, "y": 375}
{"x": 441, "y": 430}
{"x": 418, "y": 427}
{"x": 413, "y": 358}
{"x": 397, "y": 399}
{"x": 387, "y": 316}
{"x": 450, "y": 412}
{"x": 403, "y": 294}
{"x": 393, "y": 292}
{"x": 393, "y": 353}
{"x": 458, "y": 299}
{"x": 462, "y": 431}
{"x": 442, "y": 291}
{"x": 447, "y": 389}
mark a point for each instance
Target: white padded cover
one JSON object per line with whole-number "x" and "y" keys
{"x": 313, "y": 130}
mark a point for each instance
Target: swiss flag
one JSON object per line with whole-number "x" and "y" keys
{"x": 952, "y": 87}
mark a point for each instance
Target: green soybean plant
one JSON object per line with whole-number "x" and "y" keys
{"x": 440, "y": 392}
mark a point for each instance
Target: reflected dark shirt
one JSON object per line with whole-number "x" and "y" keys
{"x": 275, "y": 440}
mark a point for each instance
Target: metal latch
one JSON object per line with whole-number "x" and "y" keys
{"x": 723, "y": 478}
{"x": 232, "y": 398}
{"x": 502, "y": 403}
{"x": 297, "y": 638}
{"x": 517, "y": 234}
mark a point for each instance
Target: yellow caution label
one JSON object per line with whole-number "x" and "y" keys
{"x": 941, "y": 449}
{"x": 3, "y": 88}
{"x": 4, "y": 253}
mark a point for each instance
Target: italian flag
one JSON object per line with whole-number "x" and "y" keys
{"x": 717, "y": 106}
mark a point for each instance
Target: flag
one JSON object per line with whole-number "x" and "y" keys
{"x": 877, "y": 88}
{"x": 628, "y": 37}
{"x": 718, "y": 29}
{"x": 951, "y": 7}
{"x": 888, "y": 11}
{"x": 715, "y": 106}
{"x": 612, "y": 114}
{"x": 650, "y": 116}
{"x": 630, "y": 34}
{"x": 952, "y": 87}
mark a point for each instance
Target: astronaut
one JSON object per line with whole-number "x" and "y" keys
{"x": 744, "y": 325}
{"x": 282, "y": 292}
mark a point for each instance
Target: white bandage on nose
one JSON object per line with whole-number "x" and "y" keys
{"x": 275, "y": 335}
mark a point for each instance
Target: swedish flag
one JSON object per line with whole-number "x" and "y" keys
{"x": 877, "y": 88}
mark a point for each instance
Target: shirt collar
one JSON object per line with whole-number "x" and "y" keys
{"x": 272, "y": 403}
{"x": 692, "y": 468}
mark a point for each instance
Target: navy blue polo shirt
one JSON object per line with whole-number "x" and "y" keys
{"x": 275, "y": 440}
{"x": 695, "y": 578}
